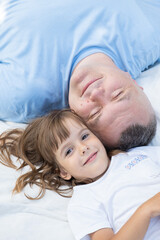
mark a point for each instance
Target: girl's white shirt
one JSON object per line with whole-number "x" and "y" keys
{"x": 131, "y": 179}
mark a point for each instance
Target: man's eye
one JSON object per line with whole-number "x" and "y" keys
{"x": 94, "y": 115}
{"x": 85, "y": 136}
{"x": 68, "y": 151}
{"x": 93, "y": 119}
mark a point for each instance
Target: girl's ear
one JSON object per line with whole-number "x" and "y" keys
{"x": 64, "y": 174}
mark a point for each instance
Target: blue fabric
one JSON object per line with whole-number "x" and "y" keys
{"x": 41, "y": 41}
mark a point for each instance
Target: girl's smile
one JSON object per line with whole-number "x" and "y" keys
{"x": 91, "y": 158}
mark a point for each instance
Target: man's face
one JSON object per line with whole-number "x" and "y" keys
{"x": 107, "y": 98}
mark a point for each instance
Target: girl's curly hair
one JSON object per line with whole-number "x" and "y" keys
{"x": 35, "y": 147}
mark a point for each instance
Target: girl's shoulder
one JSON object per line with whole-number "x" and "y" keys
{"x": 150, "y": 150}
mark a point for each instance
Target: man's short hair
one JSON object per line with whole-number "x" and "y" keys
{"x": 137, "y": 135}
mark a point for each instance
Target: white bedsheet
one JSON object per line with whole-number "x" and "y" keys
{"x": 150, "y": 81}
{"x": 46, "y": 219}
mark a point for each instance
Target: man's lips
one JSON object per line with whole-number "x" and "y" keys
{"x": 91, "y": 158}
{"x": 88, "y": 84}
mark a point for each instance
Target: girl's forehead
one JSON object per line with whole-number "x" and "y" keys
{"x": 73, "y": 123}
{"x": 70, "y": 128}
{"x": 66, "y": 128}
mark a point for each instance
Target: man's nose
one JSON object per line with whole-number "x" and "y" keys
{"x": 97, "y": 95}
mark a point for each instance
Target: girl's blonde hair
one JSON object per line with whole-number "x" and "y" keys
{"x": 36, "y": 147}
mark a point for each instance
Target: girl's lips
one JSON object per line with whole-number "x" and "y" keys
{"x": 88, "y": 84}
{"x": 91, "y": 158}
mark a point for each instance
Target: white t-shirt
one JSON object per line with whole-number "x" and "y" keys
{"x": 131, "y": 179}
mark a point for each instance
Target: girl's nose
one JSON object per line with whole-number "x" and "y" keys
{"x": 83, "y": 149}
{"x": 97, "y": 95}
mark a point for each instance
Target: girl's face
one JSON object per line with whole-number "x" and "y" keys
{"x": 81, "y": 155}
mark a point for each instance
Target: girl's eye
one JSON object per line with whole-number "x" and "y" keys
{"x": 68, "y": 151}
{"x": 85, "y": 136}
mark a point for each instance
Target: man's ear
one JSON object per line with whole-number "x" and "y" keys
{"x": 128, "y": 75}
{"x": 64, "y": 174}
{"x": 138, "y": 84}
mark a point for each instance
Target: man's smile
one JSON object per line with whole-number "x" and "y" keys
{"x": 88, "y": 84}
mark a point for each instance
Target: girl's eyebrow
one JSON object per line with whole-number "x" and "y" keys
{"x": 68, "y": 143}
